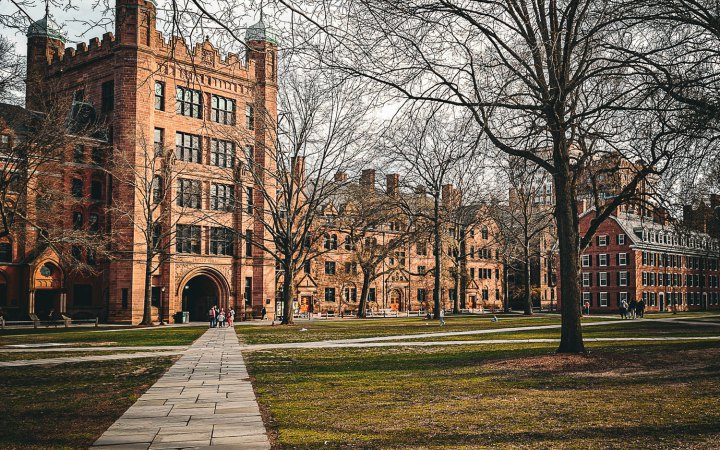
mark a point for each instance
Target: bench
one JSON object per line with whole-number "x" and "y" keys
{"x": 35, "y": 321}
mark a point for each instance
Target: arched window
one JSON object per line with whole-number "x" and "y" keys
{"x": 333, "y": 242}
{"x": 472, "y": 251}
{"x": 485, "y": 232}
{"x": 77, "y": 219}
{"x": 94, "y": 222}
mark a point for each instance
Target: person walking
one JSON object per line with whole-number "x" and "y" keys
{"x": 587, "y": 308}
{"x": 623, "y": 309}
{"x": 221, "y": 318}
{"x": 231, "y": 317}
{"x": 641, "y": 308}
{"x": 212, "y": 315}
{"x": 633, "y": 308}
{"x": 442, "y": 317}
{"x": 263, "y": 313}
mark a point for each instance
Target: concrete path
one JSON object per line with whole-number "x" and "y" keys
{"x": 336, "y": 344}
{"x": 205, "y": 399}
{"x": 78, "y": 359}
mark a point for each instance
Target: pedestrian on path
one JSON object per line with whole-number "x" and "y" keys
{"x": 212, "y": 314}
{"x": 221, "y": 318}
{"x": 633, "y": 308}
{"x": 442, "y": 317}
{"x": 264, "y": 313}
{"x": 640, "y": 310}
{"x": 623, "y": 309}
{"x": 231, "y": 317}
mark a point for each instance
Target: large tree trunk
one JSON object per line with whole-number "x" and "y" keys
{"x": 288, "y": 295}
{"x": 506, "y": 303}
{"x": 526, "y": 281}
{"x": 147, "y": 302}
{"x": 571, "y": 340}
{"x": 456, "y": 300}
{"x": 362, "y": 306}
{"x": 437, "y": 287}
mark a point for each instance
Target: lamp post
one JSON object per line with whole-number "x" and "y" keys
{"x": 162, "y": 305}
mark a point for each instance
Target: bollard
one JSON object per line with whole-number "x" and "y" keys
{"x": 35, "y": 323}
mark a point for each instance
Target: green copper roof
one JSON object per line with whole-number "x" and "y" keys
{"x": 46, "y": 27}
{"x": 259, "y": 32}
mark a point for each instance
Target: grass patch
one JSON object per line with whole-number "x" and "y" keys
{"x": 17, "y": 356}
{"x": 511, "y": 396}
{"x": 321, "y": 330}
{"x": 129, "y": 337}
{"x": 70, "y": 405}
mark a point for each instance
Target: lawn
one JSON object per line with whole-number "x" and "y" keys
{"x": 321, "y": 330}
{"x": 124, "y": 337}
{"x": 70, "y": 405}
{"x": 15, "y": 356}
{"x": 622, "y": 395}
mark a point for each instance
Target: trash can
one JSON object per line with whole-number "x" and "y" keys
{"x": 182, "y": 317}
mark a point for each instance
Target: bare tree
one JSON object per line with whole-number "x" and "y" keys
{"x": 153, "y": 207}
{"x": 431, "y": 151}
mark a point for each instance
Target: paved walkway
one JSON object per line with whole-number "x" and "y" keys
{"x": 205, "y": 399}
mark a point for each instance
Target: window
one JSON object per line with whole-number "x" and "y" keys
{"x": 306, "y": 267}
{"x": 79, "y": 154}
{"x": 188, "y": 193}
{"x": 249, "y": 201}
{"x": 587, "y": 298}
{"x": 221, "y": 241}
{"x": 586, "y": 277}
{"x": 350, "y": 294}
{"x": 222, "y": 110}
{"x": 604, "y": 299}
{"x": 371, "y": 295}
{"x": 351, "y": 268}
{"x": 157, "y": 189}
{"x": 249, "y": 117}
{"x": 330, "y": 242}
{"x": 249, "y": 155}
{"x": 248, "y": 242}
{"x": 187, "y": 239}
{"x": 485, "y": 232}
{"x": 187, "y": 147}
{"x": 586, "y": 260}
{"x": 622, "y": 296}
{"x": 622, "y": 259}
{"x": 602, "y": 279}
{"x": 602, "y": 260}
{"x": 248, "y": 291}
{"x": 6, "y": 252}
{"x": 621, "y": 239}
{"x": 622, "y": 278}
{"x": 108, "y": 96}
{"x": 159, "y": 141}
{"x": 348, "y": 244}
{"x": 189, "y": 102}
{"x": 97, "y": 155}
{"x": 221, "y": 197}
{"x": 222, "y": 153}
{"x": 160, "y": 96}
{"x": 76, "y": 252}
{"x": 77, "y": 219}
{"x": 330, "y": 267}
{"x": 79, "y": 95}
{"x": 96, "y": 189}
{"x": 602, "y": 241}
{"x": 472, "y": 273}
{"x": 330, "y": 294}
{"x": 422, "y": 249}
{"x": 156, "y": 235}
{"x": 94, "y": 222}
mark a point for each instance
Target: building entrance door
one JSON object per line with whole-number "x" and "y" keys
{"x": 305, "y": 304}
{"x": 45, "y": 301}
{"x": 662, "y": 302}
{"x": 395, "y": 300}
{"x": 199, "y": 295}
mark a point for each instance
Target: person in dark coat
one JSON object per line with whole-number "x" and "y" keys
{"x": 640, "y": 310}
{"x": 633, "y": 308}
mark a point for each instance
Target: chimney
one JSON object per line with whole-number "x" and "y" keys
{"x": 340, "y": 176}
{"x": 367, "y": 178}
{"x": 298, "y": 168}
{"x": 392, "y": 182}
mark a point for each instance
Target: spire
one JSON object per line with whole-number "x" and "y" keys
{"x": 46, "y": 27}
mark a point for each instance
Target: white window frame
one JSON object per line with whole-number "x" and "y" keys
{"x": 603, "y": 259}
{"x": 604, "y": 299}
{"x": 623, "y": 278}
{"x": 621, "y": 239}
{"x": 586, "y": 279}
{"x": 622, "y": 259}
{"x": 586, "y": 260}
{"x": 603, "y": 279}
{"x": 602, "y": 240}
{"x": 586, "y": 297}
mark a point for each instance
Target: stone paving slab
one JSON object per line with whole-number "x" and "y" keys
{"x": 204, "y": 400}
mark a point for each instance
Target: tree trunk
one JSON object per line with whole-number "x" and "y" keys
{"x": 456, "y": 300}
{"x": 506, "y": 305}
{"x": 438, "y": 258}
{"x": 362, "y": 306}
{"x": 147, "y": 303}
{"x": 571, "y": 340}
{"x": 526, "y": 281}
{"x": 288, "y": 294}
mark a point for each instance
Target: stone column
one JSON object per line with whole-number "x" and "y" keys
{"x": 63, "y": 302}
{"x": 31, "y": 302}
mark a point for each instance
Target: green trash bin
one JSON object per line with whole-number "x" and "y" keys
{"x": 182, "y": 317}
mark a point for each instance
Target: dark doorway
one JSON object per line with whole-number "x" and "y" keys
{"x": 46, "y": 300}
{"x": 199, "y": 295}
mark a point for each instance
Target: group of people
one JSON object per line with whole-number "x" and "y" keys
{"x": 632, "y": 310}
{"x": 221, "y": 318}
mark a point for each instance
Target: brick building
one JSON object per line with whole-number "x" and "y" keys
{"x": 637, "y": 257}
{"x": 332, "y": 282}
{"x": 211, "y": 110}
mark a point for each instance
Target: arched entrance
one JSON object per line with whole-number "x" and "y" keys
{"x": 395, "y": 300}
{"x": 47, "y": 294}
{"x": 198, "y": 296}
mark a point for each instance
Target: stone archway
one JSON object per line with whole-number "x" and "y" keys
{"x": 395, "y": 300}
{"x": 201, "y": 289}
{"x": 46, "y": 292}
